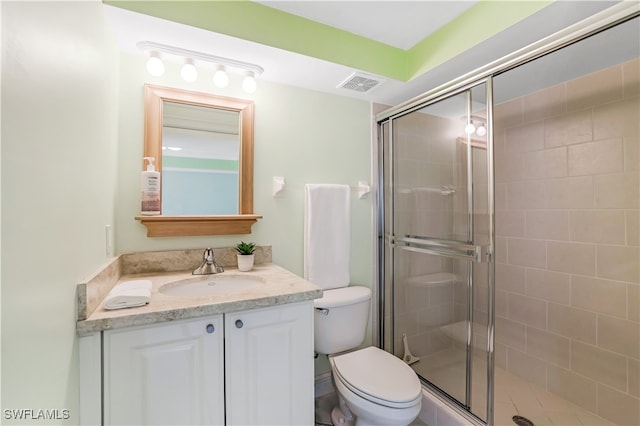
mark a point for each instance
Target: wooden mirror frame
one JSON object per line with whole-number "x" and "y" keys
{"x": 173, "y": 226}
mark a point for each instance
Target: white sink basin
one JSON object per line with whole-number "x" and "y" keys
{"x": 211, "y": 285}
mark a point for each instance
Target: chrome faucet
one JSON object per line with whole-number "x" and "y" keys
{"x": 208, "y": 265}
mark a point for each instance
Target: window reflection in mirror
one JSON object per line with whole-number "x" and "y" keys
{"x": 200, "y": 160}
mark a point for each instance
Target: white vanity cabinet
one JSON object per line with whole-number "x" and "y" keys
{"x": 269, "y": 365}
{"x": 168, "y": 374}
{"x": 251, "y": 367}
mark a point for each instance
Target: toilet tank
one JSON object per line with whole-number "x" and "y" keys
{"x": 340, "y": 320}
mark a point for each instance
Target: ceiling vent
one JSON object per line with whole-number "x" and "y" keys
{"x": 362, "y": 83}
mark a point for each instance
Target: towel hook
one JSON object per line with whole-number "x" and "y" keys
{"x": 278, "y": 185}
{"x": 363, "y": 188}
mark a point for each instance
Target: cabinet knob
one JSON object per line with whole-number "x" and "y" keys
{"x": 239, "y": 323}
{"x": 210, "y": 328}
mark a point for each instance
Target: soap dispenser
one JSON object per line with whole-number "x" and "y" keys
{"x": 150, "y": 185}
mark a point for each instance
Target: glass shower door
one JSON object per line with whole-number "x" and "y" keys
{"x": 436, "y": 238}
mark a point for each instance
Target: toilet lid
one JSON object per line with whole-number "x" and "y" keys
{"x": 378, "y": 376}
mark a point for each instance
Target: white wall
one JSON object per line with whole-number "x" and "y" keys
{"x": 305, "y": 136}
{"x": 59, "y": 122}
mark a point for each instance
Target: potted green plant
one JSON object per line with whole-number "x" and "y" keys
{"x": 245, "y": 255}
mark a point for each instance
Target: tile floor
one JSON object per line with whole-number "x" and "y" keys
{"x": 513, "y": 395}
{"x": 324, "y": 405}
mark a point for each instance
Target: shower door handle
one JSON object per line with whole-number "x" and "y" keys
{"x": 441, "y": 247}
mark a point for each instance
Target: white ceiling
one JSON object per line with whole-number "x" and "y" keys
{"x": 398, "y": 23}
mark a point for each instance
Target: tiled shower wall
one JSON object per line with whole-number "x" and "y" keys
{"x": 567, "y": 235}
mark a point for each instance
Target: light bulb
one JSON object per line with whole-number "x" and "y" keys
{"x": 220, "y": 77}
{"x": 155, "y": 67}
{"x": 249, "y": 83}
{"x": 469, "y": 128}
{"x": 189, "y": 72}
{"x": 481, "y": 131}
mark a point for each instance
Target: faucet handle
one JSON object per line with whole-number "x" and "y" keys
{"x": 207, "y": 256}
{"x": 209, "y": 265}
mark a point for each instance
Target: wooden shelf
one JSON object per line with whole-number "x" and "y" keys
{"x": 178, "y": 226}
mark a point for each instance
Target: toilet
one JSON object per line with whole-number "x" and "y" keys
{"x": 373, "y": 386}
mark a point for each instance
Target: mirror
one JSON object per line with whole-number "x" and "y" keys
{"x": 203, "y": 146}
{"x": 200, "y": 156}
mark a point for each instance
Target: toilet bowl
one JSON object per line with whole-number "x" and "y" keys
{"x": 373, "y": 386}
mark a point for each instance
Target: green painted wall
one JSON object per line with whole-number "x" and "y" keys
{"x": 199, "y": 163}
{"x": 59, "y": 127}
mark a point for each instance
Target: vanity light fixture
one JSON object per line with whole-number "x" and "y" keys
{"x": 481, "y": 130}
{"x": 220, "y": 77}
{"x": 189, "y": 72}
{"x": 469, "y": 128}
{"x": 249, "y": 83}
{"x": 155, "y": 66}
{"x": 476, "y": 125}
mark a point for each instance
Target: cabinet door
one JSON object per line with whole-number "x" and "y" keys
{"x": 165, "y": 374}
{"x": 269, "y": 365}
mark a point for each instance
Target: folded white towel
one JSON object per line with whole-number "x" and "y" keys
{"x": 327, "y": 235}
{"x": 128, "y": 294}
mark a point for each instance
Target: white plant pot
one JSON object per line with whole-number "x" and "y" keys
{"x": 245, "y": 262}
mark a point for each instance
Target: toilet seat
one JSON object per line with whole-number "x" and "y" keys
{"x": 379, "y": 377}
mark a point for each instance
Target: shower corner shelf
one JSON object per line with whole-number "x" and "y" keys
{"x": 426, "y": 280}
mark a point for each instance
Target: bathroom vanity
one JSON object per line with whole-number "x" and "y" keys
{"x": 241, "y": 357}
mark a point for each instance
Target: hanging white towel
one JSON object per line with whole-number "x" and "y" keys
{"x": 128, "y": 294}
{"x": 327, "y": 235}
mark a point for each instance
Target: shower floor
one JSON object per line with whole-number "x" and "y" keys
{"x": 513, "y": 395}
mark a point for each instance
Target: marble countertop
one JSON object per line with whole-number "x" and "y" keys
{"x": 280, "y": 287}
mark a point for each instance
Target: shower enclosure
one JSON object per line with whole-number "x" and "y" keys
{"x": 509, "y": 233}
{"x": 438, "y": 224}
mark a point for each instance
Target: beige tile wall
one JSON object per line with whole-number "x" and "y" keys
{"x": 567, "y": 229}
